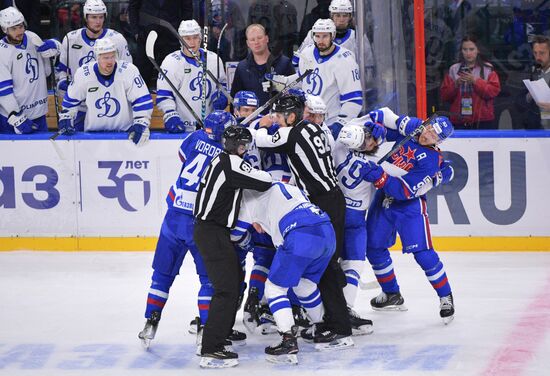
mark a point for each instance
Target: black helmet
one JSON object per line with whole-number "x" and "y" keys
{"x": 289, "y": 104}
{"x": 234, "y": 136}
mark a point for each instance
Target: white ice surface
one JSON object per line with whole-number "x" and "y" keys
{"x": 79, "y": 314}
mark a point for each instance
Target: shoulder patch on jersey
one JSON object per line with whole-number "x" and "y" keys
{"x": 76, "y": 46}
{"x": 93, "y": 89}
{"x": 245, "y": 166}
{"x": 276, "y": 137}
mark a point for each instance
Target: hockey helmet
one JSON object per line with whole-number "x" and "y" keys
{"x": 289, "y": 104}
{"x": 189, "y": 27}
{"x": 9, "y": 17}
{"x": 340, "y": 6}
{"x": 103, "y": 46}
{"x": 245, "y": 98}
{"x": 324, "y": 25}
{"x": 216, "y": 123}
{"x": 316, "y": 104}
{"x": 235, "y": 136}
{"x": 297, "y": 92}
{"x": 353, "y": 136}
{"x": 442, "y": 127}
{"x": 94, "y": 7}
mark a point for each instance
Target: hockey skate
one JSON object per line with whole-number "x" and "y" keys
{"x": 359, "y": 325}
{"x": 150, "y": 329}
{"x": 301, "y": 318}
{"x": 388, "y": 302}
{"x": 326, "y": 340}
{"x": 256, "y": 316}
{"x": 237, "y": 338}
{"x": 447, "y": 308}
{"x": 227, "y": 345}
{"x": 193, "y": 326}
{"x": 285, "y": 350}
{"x": 219, "y": 359}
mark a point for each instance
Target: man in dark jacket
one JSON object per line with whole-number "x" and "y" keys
{"x": 250, "y": 71}
{"x": 173, "y": 11}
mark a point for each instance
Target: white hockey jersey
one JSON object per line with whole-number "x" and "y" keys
{"x": 113, "y": 104}
{"x": 186, "y": 75}
{"x": 349, "y": 42}
{"x": 335, "y": 79}
{"x": 77, "y": 49}
{"x": 23, "y": 74}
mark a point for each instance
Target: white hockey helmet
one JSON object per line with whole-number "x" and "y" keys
{"x": 353, "y": 136}
{"x": 9, "y": 17}
{"x": 94, "y": 7}
{"x": 340, "y": 6}
{"x": 189, "y": 27}
{"x": 316, "y": 104}
{"x": 324, "y": 25}
{"x": 103, "y": 46}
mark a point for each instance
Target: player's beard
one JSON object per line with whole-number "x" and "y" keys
{"x": 323, "y": 49}
{"x": 95, "y": 32}
{"x": 15, "y": 41}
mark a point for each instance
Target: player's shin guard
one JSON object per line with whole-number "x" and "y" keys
{"x": 352, "y": 269}
{"x": 205, "y": 296}
{"x": 435, "y": 272}
{"x": 158, "y": 293}
{"x": 382, "y": 266}
{"x": 279, "y": 306}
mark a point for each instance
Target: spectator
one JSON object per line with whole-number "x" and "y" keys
{"x": 30, "y": 10}
{"x": 250, "y": 71}
{"x": 539, "y": 113}
{"x": 172, "y": 11}
{"x": 470, "y": 87}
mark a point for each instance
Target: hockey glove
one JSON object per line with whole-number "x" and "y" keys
{"x": 218, "y": 100}
{"x": 444, "y": 175}
{"x": 266, "y": 86}
{"x": 50, "y": 48}
{"x": 138, "y": 132}
{"x": 279, "y": 81}
{"x": 66, "y": 124}
{"x": 63, "y": 85}
{"x": 20, "y": 123}
{"x": 377, "y": 116}
{"x": 374, "y": 174}
{"x": 407, "y": 125}
{"x": 377, "y": 131}
{"x": 173, "y": 123}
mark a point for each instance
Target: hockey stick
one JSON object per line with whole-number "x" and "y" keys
{"x": 218, "y": 48}
{"x": 372, "y": 285}
{"x": 414, "y": 133}
{"x": 273, "y": 99}
{"x": 150, "y": 52}
{"x": 205, "y": 64}
{"x": 159, "y": 21}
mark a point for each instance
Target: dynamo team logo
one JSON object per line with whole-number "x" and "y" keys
{"x": 109, "y": 105}
{"x": 31, "y": 68}
{"x": 316, "y": 83}
{"x": 196, "y": 83}
{"x": 86, "y": 59}
{"x": 129, "y": 189}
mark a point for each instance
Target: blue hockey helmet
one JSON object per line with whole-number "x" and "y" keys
{"x": 442, "y": 127}
{"x": 299, "y": 93}
{"x": 216, "y": 122}
{"x": 245, "y": 98}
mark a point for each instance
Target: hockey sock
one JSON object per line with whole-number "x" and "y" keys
{"x": 352, "y": 269}
{"x": 382, "y": 266}
{"x": 293, "y": 298}
{"x": 279, "y": 306}
{"x": 435, "y": 272}
{"x": 262, "y": 262}
{"x": 205, "y": 296}
{"x": 158, "y": 293}
{"x": 310, "y": 298}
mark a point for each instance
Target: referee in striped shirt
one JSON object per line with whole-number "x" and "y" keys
{"x": 310, "y": 160}
{"x": 216, "y": 211}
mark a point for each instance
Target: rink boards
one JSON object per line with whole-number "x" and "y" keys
{"x": 100, "y": 192}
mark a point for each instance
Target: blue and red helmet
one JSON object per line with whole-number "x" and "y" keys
{"x": 216, "y": 122}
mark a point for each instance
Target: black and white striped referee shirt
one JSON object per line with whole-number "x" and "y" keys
{"x": 220, "y": 189}
{"x": 309, "y": 155}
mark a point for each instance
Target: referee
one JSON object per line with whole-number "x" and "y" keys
{"x": 310, "y": 160}
{"x": 216, "y": 211}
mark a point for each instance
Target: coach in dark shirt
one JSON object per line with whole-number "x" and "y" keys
{"x": 173, "y": 11}
{"x": 250, "y": 71}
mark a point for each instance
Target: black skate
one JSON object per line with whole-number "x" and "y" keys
{"x": 301, "y": 318}
{"x": 193, "y": 325}
{"x": 326, "y": 339}
{"x": 150, "y": 329}
{"x": 388, "y": 302}
{"x": 359, "y": 325}
{"x": 219, "y": 359}
{"x": 285, "y": 350}
{"x": 227, "y": 344}
{"x": 251, "y": 314}
{"x": 446, "y": 308}
{"x": 236, "y": 337}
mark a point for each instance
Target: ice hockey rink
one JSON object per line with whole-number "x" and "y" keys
{"x": 78, "y": 313}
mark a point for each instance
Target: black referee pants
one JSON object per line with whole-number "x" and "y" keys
{"x": 333, "y": 280}
{"x": 224, "y": 272}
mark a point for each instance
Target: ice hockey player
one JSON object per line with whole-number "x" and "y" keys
{"x": 115, "y": 95}
{"x": 77, "y": 48}
{"x": 176, "y": 235}
{"x": 335, "y": 77}
{"x": 23, "y": 71}
{"x": 399, "y": 206}
{"x": 305, "y": 243}
{"x": 187, "y": 76}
